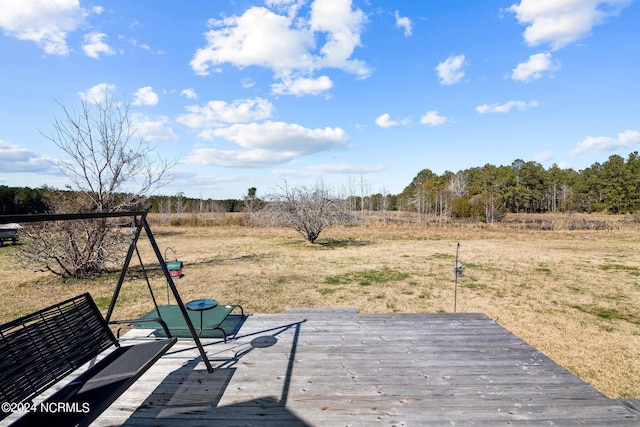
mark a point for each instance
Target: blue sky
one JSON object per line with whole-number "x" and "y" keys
{"x": 354, "y": 93}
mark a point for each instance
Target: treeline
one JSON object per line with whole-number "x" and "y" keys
{"x": 486, "y": 193}
{"x": 182, "y": 204}
{"x": 22, "y": 200}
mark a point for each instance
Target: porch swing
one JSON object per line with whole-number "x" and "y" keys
{"x": 139, "y": 222}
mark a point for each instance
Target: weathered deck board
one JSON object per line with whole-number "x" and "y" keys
{"x": 312, "y": 367}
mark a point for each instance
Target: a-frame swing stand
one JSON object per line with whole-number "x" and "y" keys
{"x": 139, "y": 222}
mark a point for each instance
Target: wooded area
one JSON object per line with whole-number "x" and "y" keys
{"x": 484, "y": 193}
{"x": 527, "y": 187}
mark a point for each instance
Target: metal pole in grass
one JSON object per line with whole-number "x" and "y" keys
{"x": 455, "y": 273}
{"x": 458, "y": 271}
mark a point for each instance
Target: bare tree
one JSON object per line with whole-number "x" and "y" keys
{"x": 421, "y": 199}
{"x": 179, "y": 203}
{"x": 458, "y": 184}
{"x": 494, "y": 210}
{"x": 308, "y": 210}
{"x": 111, "y": 167}
{"x": 107, "y": 157}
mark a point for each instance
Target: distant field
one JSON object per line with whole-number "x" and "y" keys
{"x": 569, "y": 286}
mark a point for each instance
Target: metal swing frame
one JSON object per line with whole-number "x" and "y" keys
{"x": 139, "y": 223}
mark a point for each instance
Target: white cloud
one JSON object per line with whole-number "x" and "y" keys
{"x": 433, "y": 118}
{"x": 154, "y": 129}
{"x": 45, "y": 22}
{"x": 236, "y": 159}
{"x": 543, "y": 156}
{"x": 94, "y": 45}
{"x": 14, "y": 159}
{"x": 506, "y": 107}
{"x": 302, "y": 86}
{"x": 384, "y": 121}
{"x": 561, "y": 22}
{"x": 267, "y": 144}
{"x": 258, "y": 37}
{"x": 98, "y": 93}
{"x": 341, "y": 27}
{"x": 189, "y": 93}
{"x": 248, "y": 83}
{"x": 219, "y": 113}
{"x": 346, "y": 168}
{"x": 293, "y": 174}
{"x": 283, "y": 137}
{"x": 145, "y": 96}
{"x": 287, "y": 44}
{"x": 404, "y": 23}
{"x": 565, "y": 165}
{"x": 450, "y": 70}
{"x": 291, "y": 7}
{"x": 534, "y": 67}
{"x": 626, "y": 139}
{"x": 145, "y": 46}
{"x": 202, "y": 184}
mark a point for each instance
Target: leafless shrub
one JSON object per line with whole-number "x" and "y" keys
{"x": 78, "y": 248}
{"x": 111, "y": 167}
{"x": 308, "y": 210}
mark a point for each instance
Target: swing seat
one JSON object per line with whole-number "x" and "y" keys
{"x": 42, "y": 348}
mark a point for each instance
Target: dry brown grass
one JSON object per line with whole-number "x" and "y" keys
{"x": 573, "y": 294}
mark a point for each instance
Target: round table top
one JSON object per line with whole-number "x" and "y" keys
{"x": 201, "y": 304}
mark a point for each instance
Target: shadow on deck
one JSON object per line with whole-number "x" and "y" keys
{"x": 196, "y": 394}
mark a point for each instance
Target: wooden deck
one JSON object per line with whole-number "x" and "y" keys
{"x": 340, "y": 368}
